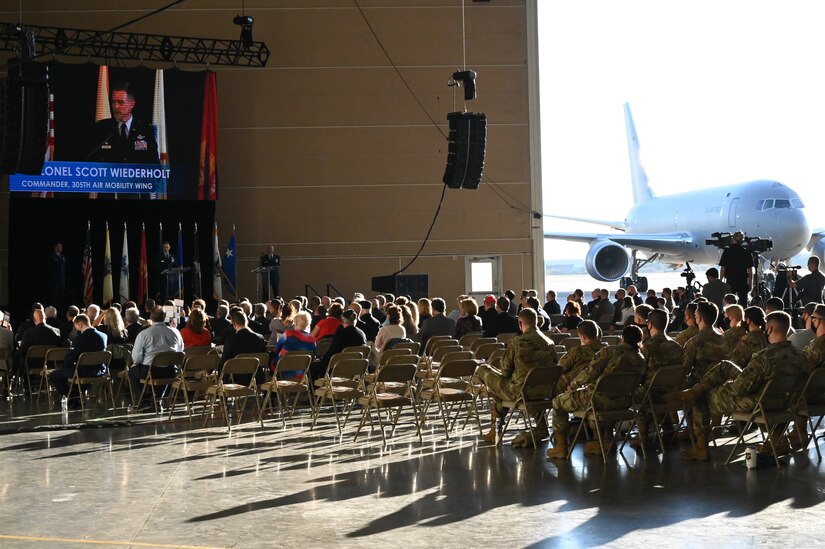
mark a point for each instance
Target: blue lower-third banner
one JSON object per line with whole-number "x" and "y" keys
{"x": 94, "y": 177}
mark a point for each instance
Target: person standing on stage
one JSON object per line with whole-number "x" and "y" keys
{"x": 167, "y": 283}
{"x": 57, "y": 277}
{"x": 273, "y": 277}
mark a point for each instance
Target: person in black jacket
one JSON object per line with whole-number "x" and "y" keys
{"x": 221, "y": 327}
{"x": 347, "y": 335}
{"x": 88, "y": 340}
{"x": 123, "y": 138}
{"x": 242, "y": 341}
{"x": 39, "y": 334}
{"x": 502, "y": 323}
{"x": 368, "y": 323}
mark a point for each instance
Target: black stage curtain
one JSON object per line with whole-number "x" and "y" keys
{"x": 36, "y": 224}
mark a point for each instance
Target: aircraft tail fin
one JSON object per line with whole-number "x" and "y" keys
{"x": 641, "y": 190}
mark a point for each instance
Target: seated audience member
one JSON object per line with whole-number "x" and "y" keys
{"x": 531, "y": 349}
{"x": 513, "y": 310}
{"x": 38, "y": 334}
{"x": 572, "y": 317}
{"x": 488, "y": 312}
{"x": 544, "y": 323}
{"x": 455, "y": 314}
{"x": 327, "y": 327}
{"x": 258, "y": 322}
{"x": 28, "y": 323}
{"x": 626, "y": 311}
{"x": 195, "y": 333}
{"x": 551, "y": 306}
{"x": 51, "y": 317}
{"x": 243, "y": 340}
{"x": 112, "y": 325}
{"x": 67, "y": 331}
{"x": 640, "y": 314}
{"x": 368, "y": 323}
{"x": 392, "y": 330}
{"x": 296, "y": 338}
{"x": 157, "y": 338}
{"x": 425, "y": 310}
{"x": 737, "y": 329}
{"x": 133, "y": 325}
{"x": 577, "y": 358}
{"x": 596, "y": 296}
{"x": 378, "y": 310}
{"x": 348, "y": 335}
{"x": 88, "y": 340}
{"x": 408, "y": 321}
{"x": 802, "y": 338}
{"x": 469, "y": 321}
{"x": 753, "y": 341}
{"x": 667, "y": 294}
{"x": 437, "y": 324}
{"x": 625, "y": 357}
{"x": 690, "y": 320}
{"x": 221, "y": 327}
{"x": 603, "y": 311}
{"x": 502, "y": 323}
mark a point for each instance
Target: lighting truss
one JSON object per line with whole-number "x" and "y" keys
{"x": 31, "y": 41}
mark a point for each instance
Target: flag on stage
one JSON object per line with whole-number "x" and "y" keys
{"x": 208, "y": 167}
{"x": 196, "y": 267}
{"x": 102, "y": 108}
{"x": 143, "y": 269}
{"x": 179, "y": 287}
{"x": 49, "y": 143}
{"x": 124, "y": 268}
{"x": 108, "y": 290}
{"x": 230, "y": 268}
{"x": 87, "y": 266}
{"x": 217, "y": 290}
{"x": 159, "y": 125}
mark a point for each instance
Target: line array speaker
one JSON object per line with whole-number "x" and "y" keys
{"x": 24, "y": 123}
{"x": 465, "y": 154}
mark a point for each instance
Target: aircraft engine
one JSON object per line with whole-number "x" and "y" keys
{"x": 607, "y": 261}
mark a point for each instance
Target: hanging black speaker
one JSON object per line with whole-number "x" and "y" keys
{"x": 24, "y": 123}
{"x": 465, "y": 153}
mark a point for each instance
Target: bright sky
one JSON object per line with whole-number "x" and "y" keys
{"x": 721, "y": 92}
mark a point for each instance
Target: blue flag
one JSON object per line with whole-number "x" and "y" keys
{"x": 230, "y": 271}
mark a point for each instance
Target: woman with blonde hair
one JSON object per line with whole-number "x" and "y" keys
{"x": 469, "y": 321}
{"x": 425, "y": 310}
{"x": 112, "y": 325}
{"x": 392, "y": 330}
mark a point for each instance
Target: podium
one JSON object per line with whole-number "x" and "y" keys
{"x": 175, "y": 273}
{"x": 263, "y": 279}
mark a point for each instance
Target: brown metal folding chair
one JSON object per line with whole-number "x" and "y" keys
{"x": 448, "y": 397}
{"x": 100, "y": 358}
{"x": 224, "y": 391}
{"x": 196, "y": 376}
{"x": 284, "y": 388}
{"x": 545, "y": 375}
{"x": 167, "y": 359}
{"x": 401, "y": 377}
{"x": 342, "y": 386}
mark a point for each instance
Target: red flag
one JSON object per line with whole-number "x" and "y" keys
{"x": 88, "y": 287}
{"x": 49, "y": 143}
{"x": 143, "y": 272}
{"x": 208, "y": 169}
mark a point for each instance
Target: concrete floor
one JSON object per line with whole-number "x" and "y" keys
{"x": 102, "y": 479}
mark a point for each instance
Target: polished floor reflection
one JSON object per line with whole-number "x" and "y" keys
{"x": 70, "y": 480}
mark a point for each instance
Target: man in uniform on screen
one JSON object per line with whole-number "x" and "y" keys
{"x": 123, "y": 138}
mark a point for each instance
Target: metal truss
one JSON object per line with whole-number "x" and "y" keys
{"x": 31, "y": 41}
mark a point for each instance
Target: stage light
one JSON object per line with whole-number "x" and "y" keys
{"x": 245, "y": 22}
{"x": 468, "y": 80}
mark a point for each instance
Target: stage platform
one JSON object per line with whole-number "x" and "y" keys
{"x": 106, "y": 479}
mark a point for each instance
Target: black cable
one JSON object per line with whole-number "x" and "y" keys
{"x": 426, "y": 238}
{"x": 113, "y": 29}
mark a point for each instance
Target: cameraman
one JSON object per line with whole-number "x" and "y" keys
{"x": 737, "y": 267}
{"x": 811, "y": 285}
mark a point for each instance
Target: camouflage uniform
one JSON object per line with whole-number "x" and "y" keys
{"x": 659, "y": 350}
{"x": 525, "y": 352}
{"x": 733, "y": 336}
{"x": 733, "y": 389}
{"x": 576, "y": 360}
{"x": 616, "y": 359}
{"x": 683, "y": 336}
{"x": 751, "y": 343}
{"x": 815, "y": 357}
{"x": 703, "y": 351}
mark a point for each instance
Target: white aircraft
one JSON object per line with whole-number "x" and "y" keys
{"x": 673, "y": 229}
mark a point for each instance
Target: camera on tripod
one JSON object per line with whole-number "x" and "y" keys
{"x": 749, "y": 243}
{"x": 688, "y": 273}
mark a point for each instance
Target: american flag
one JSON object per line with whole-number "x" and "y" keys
{"x": 88, "y": 286}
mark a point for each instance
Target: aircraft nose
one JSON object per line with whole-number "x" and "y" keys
{"x": 795, "y": 233}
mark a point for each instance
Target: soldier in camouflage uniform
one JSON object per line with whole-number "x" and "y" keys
{"x": 578, "y": 358}
{"x": 659, "y": 351}
{"x": 727, "y": 388}
{"x": 754, "y": 341}
{"x": 737, "y": 328}
{"x": 640, "y": 314}
{"x": 692, "y": 329}
{"x": 532, "y": 349}
{"x": 624, "y": 357}
{"x": 815, "y": 358}
{"x": 707, "y": 347}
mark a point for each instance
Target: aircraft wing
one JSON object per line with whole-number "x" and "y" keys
{"x": 816, "y": 236}
{"x": 664, "y": 243}
{"x": 617, "y": 225}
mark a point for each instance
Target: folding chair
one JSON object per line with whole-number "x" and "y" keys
{"x": 4, "y": 368}
{"x": 365, "y": 350}
{"x": 229, "y": 390}
{"x": 495, "y": 358}
{"x": 100, "y": 358}
{"x": 450, "y": 354}
{"x": 557, "y": 338}
{"x": 506, "y": 338}
{"x": 322, "y": 346}
{"x": 571, "y": 343}
{"x": 54, "y": 356}
{"x": 412, "y": 346}
{"x": 812, "y": 406}
{"x": 610, "y": 386}
{"x": 612, "y": 339}
{"x": 196, "y": 376}
{"x": 167, "y": 359}
{"x": 284, "y": 388}
{"x": 479, "y": 342}
{"x": 443, "y": 395}
{"x": 665, "y": 379}
{"x": 467, "y": 340}
{"x": 545, "y": 375}
{"x": 433, "y": 342}
{"x": 198, "y": 350}
{"x": 342, "y": 384}
{"x": 321, "y": 382}
{"x": 402, "y": 379}
{"x": 34, "y": 355}
{"x": 485, "y": 351}
{"x": 771, "y": 410}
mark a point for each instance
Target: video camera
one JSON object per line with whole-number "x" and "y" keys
{"x": 749, "y": 243}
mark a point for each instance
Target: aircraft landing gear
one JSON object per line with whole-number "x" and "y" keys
{"x": 639, "y": 281}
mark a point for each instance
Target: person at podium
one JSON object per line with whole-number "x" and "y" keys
{"x": 167, "y": 283}
{"x": 273, "y": 277}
